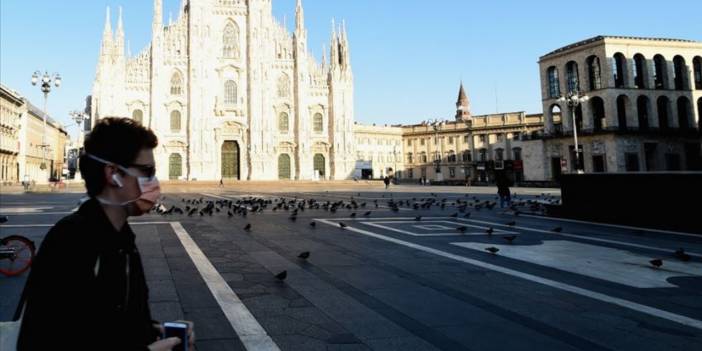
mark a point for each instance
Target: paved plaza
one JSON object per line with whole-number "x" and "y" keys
{"x": 410, "y": 268}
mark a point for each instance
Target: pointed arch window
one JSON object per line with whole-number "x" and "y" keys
{"x": 283, "y": 86}
{"x": 176, "y": 84}
{"x": 318, "y": 122}
{"x": 175, "y": 121}
{"x": 283, "y": 122}
{"x": 230, "y": 92}
{"x": 230, "y": 41}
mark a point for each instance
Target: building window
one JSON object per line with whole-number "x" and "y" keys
{"x": 632, "y": 162}
{"x": 283, "y": 86}
{"x": 230, "y": 93}
{"x": 663, "y": 108}
{"x": 423, "y": 157}
{"x": 640, "y": 71}
{"x": 660, "y": 71}
{"x": 618, "y": 70}
{"x": 467, "y": 157}
{"x": 594, "y": 72}
{"x": 452, "y": 172}
{"x": 409, "y": 142}
{"x": 499, "y": 155}
{"x": 642, "y": 104}
{"x": 138, "y": 116}
{"x": 598, "y": 164}
{"x": 500, "y": 137}
{"x": 517, "y": 154}
{"x": 175, "y": 166}
{"x": 697, "y": 67}
{"x": 410, "y": 173}
{"x": 421, "y": 141}
{"x": 482, "y": 138}
{"x": 483, "y": 155}
{"x": 175, "y": 121}
{"x": 683, "y": 112}
{"x": 554, "y": 85}
{"x": 466, "y": 139}
{"x": 672, "y": 162}
{"x": 598, "y": 112}
{"x": 230, "y": 41}
{"x": 318, "y": 122}
{"x": 452, "y": 157}
{"x": 622, "y": 103}
{"x": 680, "y": 71}
{"x": 410, "y": 158}
{"x": 176, "y": 84}
{"x": 572, "y": 76}
{"x": 283, "y": 122}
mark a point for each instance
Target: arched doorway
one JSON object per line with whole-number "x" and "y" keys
{"x": 175, "y": 166}
{"x": 230, "y": 160}
{"x": 284, "y": 171}
{"x": 319, "y": 165}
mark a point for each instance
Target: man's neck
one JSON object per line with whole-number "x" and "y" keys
{"x": 116, "y": 215}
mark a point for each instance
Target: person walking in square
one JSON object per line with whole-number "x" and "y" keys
{"x": 503, "y": 191}
{"x": 87, "y": 289}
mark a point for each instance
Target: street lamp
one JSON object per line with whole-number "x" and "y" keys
{"x": 45, "y": 83}
{"x": 437, "y": 124}
{"x": 573, "y": 100}
{"x": 79, "y": 117}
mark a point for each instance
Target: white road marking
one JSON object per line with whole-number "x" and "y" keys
{"x": 454, "y": 232}
{"x": 33, "y": 213}
{"x": 250, "y": 332}
{"x": 615, "y": 226}
{"x": 652, "y": 311}
{"x": 614, "y": 265}
{"x": 23, "y": 209}
{"x": 582, "y": 237}
{"x": 51, "y": 225}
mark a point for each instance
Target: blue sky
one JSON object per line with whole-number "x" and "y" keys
{"x": 409, "y": 56}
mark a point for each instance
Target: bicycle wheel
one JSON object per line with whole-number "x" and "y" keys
{"x": 22, "y": 255}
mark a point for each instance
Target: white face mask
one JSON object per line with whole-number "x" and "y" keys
{"x": 149, "y": 187}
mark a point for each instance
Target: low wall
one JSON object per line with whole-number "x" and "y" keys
{"x": 671, "y": 201}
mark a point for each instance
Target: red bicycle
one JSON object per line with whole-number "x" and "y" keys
{"x": 16, "y": 254}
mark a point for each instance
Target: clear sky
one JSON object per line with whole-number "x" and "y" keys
{"x": 408, "y": 56}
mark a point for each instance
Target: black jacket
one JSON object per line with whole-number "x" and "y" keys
{"x": 69, "y": 306}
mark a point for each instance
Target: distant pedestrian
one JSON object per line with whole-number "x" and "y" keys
{"x": 386, "y": 180}
{"x": 503, "y": 189}
{"x": 221, "y": 182}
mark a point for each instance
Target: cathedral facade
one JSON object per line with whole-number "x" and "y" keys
{"x": 231, "y": 94}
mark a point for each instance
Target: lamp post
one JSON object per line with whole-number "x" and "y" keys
{"x": 79, "y": 117}
{"x": 573, "y": 100}
{"x": 46, "y": 82}
{"x": 437, "y": 124}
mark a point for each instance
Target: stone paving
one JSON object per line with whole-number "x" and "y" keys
{"x": 373, "y": 286}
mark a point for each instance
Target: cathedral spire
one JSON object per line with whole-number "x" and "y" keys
{"x": 334, "y": 56}
{"x": 299, "y": 17}
{"x": 462, "y": 105}
{"x": 119, "y": 36}
{"x": 158, "y": 16}
{"x": 107, "y": 34}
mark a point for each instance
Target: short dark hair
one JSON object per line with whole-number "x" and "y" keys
{"x": 117, "y": 140}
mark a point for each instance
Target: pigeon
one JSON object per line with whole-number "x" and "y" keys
{"x": 455, "y": 215}
{"x": 313, "y": 224}
{"x": 490, "y": 231}
{"x": 512, "y": 223}
{"x": 510, "y": 238}
{"x": 682, "y": 256}
{"x": 342, "y": 225}
{"x": 3, "y": 219}
{"x": 557, "y": 229}
{"x": 656, "y": 263}
{"x": 367, "y": 214}
{"x": 462, "y": 229}
{"x": 467, "y": 215}
{"x": 418, "y": 218}
{"x": 493, "y": 250}
{"x": 353, "y": 215}
{"x": 305, "y": 255}
{"x": 282, "y": 275}
{"x": 248, "y": 227}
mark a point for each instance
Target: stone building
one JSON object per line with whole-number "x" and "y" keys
{"x": 379, "y": 151}
{"x": 32, "y": 153}
{"x": 11, "y": 104}
{"x": 644, "y": 108}
{"x": 469, "y": 147}
{"x": 231, "y": 94}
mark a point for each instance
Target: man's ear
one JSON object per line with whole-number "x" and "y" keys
{"x": 111, "y": 176}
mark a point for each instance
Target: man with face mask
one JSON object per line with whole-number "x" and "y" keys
{"x": 87, "y": 289}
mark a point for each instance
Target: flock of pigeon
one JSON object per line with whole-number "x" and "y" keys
{"x": 244, "y": 206}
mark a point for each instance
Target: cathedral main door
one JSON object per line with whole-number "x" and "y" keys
{"x": 230, "y": 160}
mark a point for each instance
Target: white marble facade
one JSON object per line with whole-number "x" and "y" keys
{"x": 232, "y": 94}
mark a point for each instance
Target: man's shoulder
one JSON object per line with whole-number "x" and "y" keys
{"x": 69, "y": 229}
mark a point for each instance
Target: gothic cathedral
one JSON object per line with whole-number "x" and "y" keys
{"x": 231, "y": 94}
